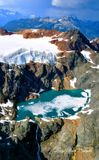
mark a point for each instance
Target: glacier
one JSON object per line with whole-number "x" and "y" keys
{"x": 14, "y": 49}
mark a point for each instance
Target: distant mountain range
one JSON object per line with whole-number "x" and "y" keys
{"x": 89, "y": 28}
{"x": 14, "y": 21}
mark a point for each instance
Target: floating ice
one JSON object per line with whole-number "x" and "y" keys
{"x": 62, "y": 105}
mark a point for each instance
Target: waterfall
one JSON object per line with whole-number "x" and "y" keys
{"x": 38, "y": 146}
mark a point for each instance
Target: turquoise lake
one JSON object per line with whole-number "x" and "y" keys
{"x": 52, "y": 104}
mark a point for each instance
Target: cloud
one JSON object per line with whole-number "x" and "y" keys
{"x": 88, "y": 13}
{"x": 36, "y": 7}
{"x": 64, "y": 3}
{"x": 89, "y": 4}
{"x": 6, "y": 2}
{"x": 84, "y": 9}
{"x": 2, "y": 3}
{"x": 81, "y": 8}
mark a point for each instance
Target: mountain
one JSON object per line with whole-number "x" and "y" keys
{"x": 89, "y": 28}
{"x": 39, "y": 63}
{"x": 8, "y": 15}
{"x": 45, "y": 56}
{"x": 42, "y": 46}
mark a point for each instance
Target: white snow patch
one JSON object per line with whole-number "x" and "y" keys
{"x": 24, "y": 120}
{"x": 7, "y": 118}
{"x": 53, "y": 88}
{"x": 34, "y": 30}
{"x": 93, "y": 40}
{"x": 66, "y": 40}
{"x": 14, "y": 135}
{"x": 87, "y": 71}
{"x": 0, "y": 138}
{"x": 87, "y": 54}
{"x": 10, "y": 70}
{"x": 45, "y": 119}
{"x": 18, "y": 107}
{"x": 87, "y": 111}
{"x": 59, "y": 57}
{"x": 10, "y": 114}
{"x": 12, "y": 121}
{"x": 2, "y": 111}
{"x": 7, "y": 104}
{"x": 41, "y": 90}
{"x": 55, "y": 80}
{"x": 4, "y": 121}
{"x": 70, "y": 51}
{"x": 8, "y": 144}
{"x": 90, "y": 111}
{"x": 30, "y": 120}
{"x": 75, "y": 109}
{"x": 29, "y": 103}
{"x": 73, "y": 81}
{"x": 60, "y": 39}
{"x": 95, "y": 67}
{"x": 14, "y": 49}
{"x": 71, "y": 37}
{"x": 73, "y": 117}
{"x": 35, "y": 94}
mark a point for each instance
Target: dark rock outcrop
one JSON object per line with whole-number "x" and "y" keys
{"x": 77, "y": 140}
{"x": 4, "y": 32}
{"x": 18, "y": 140}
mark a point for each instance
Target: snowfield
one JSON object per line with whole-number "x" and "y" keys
{"x": 14, "y": 49}
{"x": 87, "y": 54}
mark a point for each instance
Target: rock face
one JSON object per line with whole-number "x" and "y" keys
{"x": 77, "y": 139}
{"x": 70, "y": 139}
{"x": 18, "y": 140}
{"x": 38, "y": 33}
{"x": 88, "y": 144}
{"x": 74, "y": 138}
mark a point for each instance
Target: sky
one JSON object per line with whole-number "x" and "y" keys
{"x": 83, "y": 9}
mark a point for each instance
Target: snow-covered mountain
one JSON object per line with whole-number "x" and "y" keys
{"x": 43, "y": 46}
{"x": 89, "y": 28}
{"x": 19, "y": 50}
{"x": 8, "y": 15}
{"x": 71, "y": 91}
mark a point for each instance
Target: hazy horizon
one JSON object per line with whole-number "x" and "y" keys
{"x": 82, "y": 9}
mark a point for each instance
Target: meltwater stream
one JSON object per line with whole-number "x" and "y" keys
{"x": 52, "y": 104}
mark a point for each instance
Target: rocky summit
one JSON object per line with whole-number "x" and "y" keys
{"x": 36, "y": 61}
